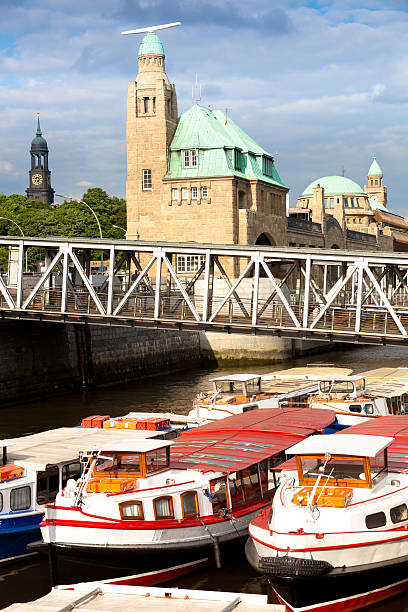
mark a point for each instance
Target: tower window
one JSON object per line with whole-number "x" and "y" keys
{"x": 204, "y": 192}
{"x": 146, "y": 104}
{"x": 154, "y": 104}
{"x": 325, "y": 202}
{"x": 174, "y": 194}
{"x": 194, "y": 193}
{"x": 184, "y": 193}
{"x": 331, "y": 202}
{"x": 190, "y": 158}
{"x": 346, "y": 202}
{"x": 376, "y": 181}
{"x": 147, "y": 180}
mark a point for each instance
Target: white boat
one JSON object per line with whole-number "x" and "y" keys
{"x": 356, "y": 397}
{"x": 337, "y": 536}
{"x": 135, "y": 511}
{"x": 33, "y": 469}
{"x": 237, "y": 393}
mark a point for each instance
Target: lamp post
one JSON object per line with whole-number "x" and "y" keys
{"x": 22, "y": 233}
{"x": 72, "y": 199}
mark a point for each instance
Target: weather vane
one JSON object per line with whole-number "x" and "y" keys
{"x": 152, "y": 29}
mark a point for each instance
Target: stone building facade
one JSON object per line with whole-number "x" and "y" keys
{"x": 199, "y": 177}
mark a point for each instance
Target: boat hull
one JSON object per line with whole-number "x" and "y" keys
{"x": 16, "y": 532}
{"x": 344, "y": 588}
{"x": 76, "y": 563}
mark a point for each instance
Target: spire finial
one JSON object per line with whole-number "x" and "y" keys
{"x": 39, "y": 133}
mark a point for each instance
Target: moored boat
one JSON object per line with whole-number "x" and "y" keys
{"x": 354, "y": 398}
{"x": 236, "y": 393}
{"x": 336, "y": 538}
{"x": 33, "y": 469}
{"x": 143, "y": 506}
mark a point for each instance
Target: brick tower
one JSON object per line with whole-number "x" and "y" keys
{"x": 151, "y": 123}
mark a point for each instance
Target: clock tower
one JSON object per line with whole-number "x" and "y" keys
{"x": 40, "y": 177}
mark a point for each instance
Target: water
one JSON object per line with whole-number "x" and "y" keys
{"x": 172, "y": 392}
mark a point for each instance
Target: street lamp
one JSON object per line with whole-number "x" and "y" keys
{"x": 118, "y": 227}
{"x": 92, "y": 211}
{"x": 22, "y": 233}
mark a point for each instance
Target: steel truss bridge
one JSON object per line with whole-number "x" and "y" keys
{"x": 318, "y": 294}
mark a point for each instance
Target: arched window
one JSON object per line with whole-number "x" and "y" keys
{"x": 131, "y": 510}
{"x": 189, "y": 504}
{"x": 163, "y": 507}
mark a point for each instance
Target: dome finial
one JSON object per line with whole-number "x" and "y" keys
{"x": 39, "y": 133}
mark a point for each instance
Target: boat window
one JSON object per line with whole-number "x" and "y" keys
{"x": 20, "y": 498}
{"x": 375, "y": 520}
{"x": 47, "y": 485}
{"x": 250, "y": 480}
{"x": 355, "y": 408}
{"x": 369, "y": 408}
{"x": 360, "y": 384}
{"x": 253, "y": 386}
{"x": 268, "y": 481}
{"x": 342, "y": 386}
{"x": 235, "y": 489}
{"x": 248, "y": 408}
{"x": 131, "y": 510}
{"x": 189, "y": 504}
{"x": 118, "y": 463}
{"x": 163, "y": 507}
{"x": 71, "y": 470}
{"x": 157, "y": 459}
{"x": 218, "y": 489}
{"x": 399, "y": 513}
{"x": 337, "y": 468}
{"x": 325, "y": 386}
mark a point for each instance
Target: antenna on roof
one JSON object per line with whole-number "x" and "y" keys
{"x": 196, "y": 92}
{"x": 226, "y": 115}
{"x": 342, "y": 171}
{"x": 276, "y": 158}
{"x": 151, "y": 29}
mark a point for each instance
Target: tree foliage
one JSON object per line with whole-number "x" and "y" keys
{"x": 71, "y": 219}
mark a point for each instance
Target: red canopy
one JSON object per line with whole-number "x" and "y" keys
{"x": 392, "y": 426}
{"x": 237, "y": 442}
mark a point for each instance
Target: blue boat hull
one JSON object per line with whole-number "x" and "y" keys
{"x": 16, "y": 531}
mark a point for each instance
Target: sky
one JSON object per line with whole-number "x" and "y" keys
{"x": 319, "y": 84}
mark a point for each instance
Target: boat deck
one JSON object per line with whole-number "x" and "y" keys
{"x": 109, "y": 598}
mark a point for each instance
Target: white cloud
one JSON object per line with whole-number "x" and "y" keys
{"x": 85, "y": 184}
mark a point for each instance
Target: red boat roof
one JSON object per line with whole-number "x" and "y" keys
{"x": 237, "y": 442}
{"x": 395, "y": 426}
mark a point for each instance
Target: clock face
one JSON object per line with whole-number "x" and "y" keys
{"x": 374, "y": 199}
{"x": 36, "y": 179}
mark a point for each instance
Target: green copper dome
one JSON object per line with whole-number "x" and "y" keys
{"x": 39, "y": 143}
{"x": 151, "y": 45}
{"x": 375, "y": 169}
{"x": 335, "y": 185}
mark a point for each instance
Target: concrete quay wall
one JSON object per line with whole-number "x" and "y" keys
{"x": 38, "y": 359}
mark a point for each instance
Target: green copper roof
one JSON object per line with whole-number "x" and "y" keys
{"x": 39, "y": 142}
{"x": 151, "y": 45}
{"x": 335, "y": 185}
{"x": 375, "y": 169}
{"x": 378, "y": 206}
{"x": 216, "y": 136}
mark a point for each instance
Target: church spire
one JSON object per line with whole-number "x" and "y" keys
{"x": 38, "y": 133}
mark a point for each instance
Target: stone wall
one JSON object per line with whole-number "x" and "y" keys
{"x": 38, "y": 359}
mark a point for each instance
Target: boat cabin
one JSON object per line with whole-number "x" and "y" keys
{"x": 330, "y": 467}
{"x": 236, "y": 388}
{"x": 350, "y": 386}
{"x": 118, "y": 466}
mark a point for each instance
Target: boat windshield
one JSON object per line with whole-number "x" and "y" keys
{"x": 334, "y": 469}
{"x": 118, "y": 463}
